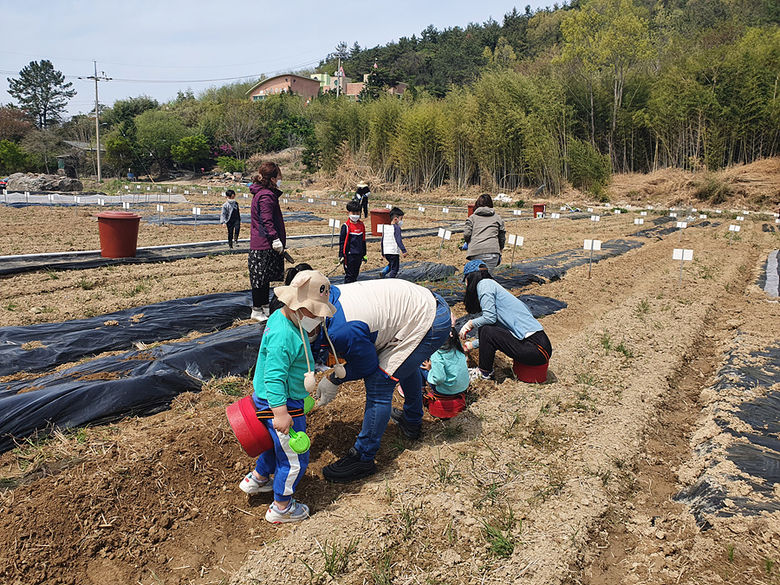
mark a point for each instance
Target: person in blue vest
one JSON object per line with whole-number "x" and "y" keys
{"x": 352, "y": 243}
{"x": 385, "y": 329}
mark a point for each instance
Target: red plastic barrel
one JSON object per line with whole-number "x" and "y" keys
{"x": 118, "y": 233}
{"x": 530, "y": 374}
{"x": 250, "y": 432}
{"x": 539, "y": 208}
{"x": 471, "y": 209}
{"x": 379, "y": 217}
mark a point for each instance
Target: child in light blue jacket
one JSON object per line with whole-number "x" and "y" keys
{"x": 448, "y": 377}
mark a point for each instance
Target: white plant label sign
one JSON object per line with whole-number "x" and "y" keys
{"x": 284, "y": 200}
{"x": 388, "y": 206}
{"x": 196, "y": 211}
{"x": 334, "y": 223}
{"x": 421, "y": 209}
{"x": 517, "y": 212}
{"x": 555, "y": 216}
{"x": 595, "y": 218}
{"x": 734, "y": 228}
{"x": 592, "y": 245}
{"x": 590, "y": 210}
{"x": 563, "y": 208}
{"x": 618, "y": 212}
{"x": 643, "y": 213}
{"x": 101, "y": 201}
{"x": 310, "y": 200}
{"x": 682, "y": 254}
{"x": 159, "y": 208}
{"x": 333, "y": 203}
{"x": 441, "y": 233}
{"x": 682, "y": 224}
{"x": 702, "y": 216}
{"x": 447, "y": 234}
{"x": 740, "y": 218}
{"x": 445, "y": 209}
{"x": 639, "y": 221}
{"x": 672, "y": 214}
{"x": 125, "y": 205}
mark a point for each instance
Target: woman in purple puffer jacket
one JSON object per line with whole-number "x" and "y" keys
{"x": 267, "y": 237}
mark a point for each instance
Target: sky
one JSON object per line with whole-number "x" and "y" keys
{"x": 158, "y": 48}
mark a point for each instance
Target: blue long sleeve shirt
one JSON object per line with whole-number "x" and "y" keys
{"x": 500, "y": 307}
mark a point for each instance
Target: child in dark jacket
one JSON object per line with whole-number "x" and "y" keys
{"x": 231, "y": 217}
{"x": 392, "y": 246}
{"x": 352, "y": 243}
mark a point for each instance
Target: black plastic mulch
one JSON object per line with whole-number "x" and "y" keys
{"x": 138, "y": 382}
{"x": 57, "y": 343}
{"x": 756, "y": 453}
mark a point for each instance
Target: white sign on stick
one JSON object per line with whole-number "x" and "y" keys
{"x": 284, "y": 200}
{"x": 445, "y": 209}
{"x": 334, "y": 223}
{"x": 638, "y": 221}
{"x": 514, "y": 240}
{"x": 333, "y": 203}
{"x": 702, "y": 216}
{"x": 592, "y": 245}
{"x": 642, "y": 213}
{"x": 388, "y": 206}
{"x": 734, "y": 228}
{"x": 447, "y": 234}
{"x": 148, "y": 188}
{"x": 745, "y": 212}
{"x": 125, "y": 205}
{"x": 517, "y": 212}
{"x": 78, "y": 199}
{"x": 563, "y": 208}
{"x": 590, "y": 210}
{"x": 740, "y": 218}
{"x": 127, "y": 187}
{"x": 618, "y": 212}
{"x": 682, "y": 224}
{"x": 421, "y": 209}
{"x": 682, "y": 255}
{"x": 718, "y": 211}
{"x": 555, "y": 216}
{"x": 186, "y": 192}
{"x": 595, "y": 218}
{"x": 672, "y": 214}
{"x": 196, "y": 211}
{"x": 310, "y": 200}
{"x": 101, "y": 201}
{"x": 159, "y": 208}
{"x": 441, "y": 232}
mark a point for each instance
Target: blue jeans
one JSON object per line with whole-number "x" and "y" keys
{"x": 380, "y": 387}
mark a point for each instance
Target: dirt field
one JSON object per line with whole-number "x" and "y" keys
{"x": 568, "y": 482}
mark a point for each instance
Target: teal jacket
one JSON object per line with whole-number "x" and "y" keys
{"x": 449, "y": 371}
{"x": 281, "y": 362}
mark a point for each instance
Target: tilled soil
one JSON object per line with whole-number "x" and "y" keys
{"x": 567, "y": 482}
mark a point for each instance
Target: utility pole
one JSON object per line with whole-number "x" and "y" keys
{"x": 97, "y": 114}
{"x": 338, "y": 78}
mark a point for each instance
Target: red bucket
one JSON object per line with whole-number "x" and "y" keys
{"x": 250, "y": 432}
{"x": 446, "y": 407}
{"x": 530, "y": 374}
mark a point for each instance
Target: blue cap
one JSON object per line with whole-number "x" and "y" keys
{"x": 473, "y": 266}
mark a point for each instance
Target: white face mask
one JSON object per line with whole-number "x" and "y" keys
{"x": 310, "y": 324}
{"x": 400, "y": 223}
{"x": 354, "y": 218}
{"x": 279, "y": 184}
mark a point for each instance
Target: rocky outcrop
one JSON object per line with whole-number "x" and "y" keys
{"x": 34, "y": 182}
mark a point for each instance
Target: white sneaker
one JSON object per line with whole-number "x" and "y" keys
{"x": 249, "y": 485}
{"x": 295, "y": 512}
{"x": 260, "y": 315}
{"x": 477, "y": 374}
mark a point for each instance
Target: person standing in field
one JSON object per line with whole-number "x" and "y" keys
{"x": 267, "y": 238}
{"x": 352, "y": 243}
{"x": 361, "y": 197}
{"x": 392, "y": 245}
{"x": 282, "y": 379}
{"x": 485, "y": 233}
{"x": 231, "y": 217}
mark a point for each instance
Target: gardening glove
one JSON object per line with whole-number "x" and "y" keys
{"x": 468, "y": 326}
{"x": 326, "y": 391}
{"x": 468, "y": 345}
{"x": 365, "y": 259}
{"x": 277, "y": 246}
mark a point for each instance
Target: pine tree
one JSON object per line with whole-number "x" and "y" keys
{"x": 42, "y": 91}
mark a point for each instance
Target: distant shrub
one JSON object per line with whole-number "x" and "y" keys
{"x": 588, "y": 168}
{"x": 228, "y": 164}
{"x": 712, "y": 189}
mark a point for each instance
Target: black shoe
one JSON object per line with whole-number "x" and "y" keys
{"x": 349, "y": 468}
{"x": 410, "y": 431}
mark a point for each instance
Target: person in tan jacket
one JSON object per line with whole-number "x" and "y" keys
{"x": 485, "y": 233}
